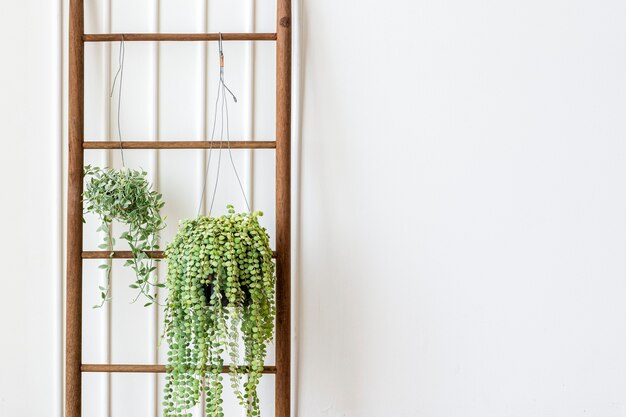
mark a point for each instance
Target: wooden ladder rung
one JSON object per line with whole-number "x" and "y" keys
{"x": 119, "y": 254}
{"x": 189, "y": 144}
{"x": 126, "y": 254}
{"x": 178, "y": 37}
{"x": 88, "y": 367}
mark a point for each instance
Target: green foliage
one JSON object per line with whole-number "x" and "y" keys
{"x": 230, "y": 253}
{"x": 126, "y": 196}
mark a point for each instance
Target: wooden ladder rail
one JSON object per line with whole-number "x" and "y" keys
{"x": 77, "y": 145}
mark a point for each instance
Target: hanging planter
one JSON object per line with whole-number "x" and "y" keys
{"x": 126, "y": 197}
{"x": 210, "y": 288}
{"x": 221, "y": 284}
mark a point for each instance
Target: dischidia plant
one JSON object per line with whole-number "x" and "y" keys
{"x": 126, "y": 196}
{"x": 221, "y": 282}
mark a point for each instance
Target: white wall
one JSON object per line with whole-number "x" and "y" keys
{"x": 30, "y": 209}
{"x": 463, "y": 213}
{"x": 460, "y": 216}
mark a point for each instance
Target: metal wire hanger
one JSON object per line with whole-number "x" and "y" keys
{"x": 221, "y": 94}
{"x": 120, "y": 74}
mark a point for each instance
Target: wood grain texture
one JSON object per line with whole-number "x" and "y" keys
{"x": 73, "y": 342}
{"x": 125, "y": 254}
{"x": 190, "y": 144}
{"x": 119, "y": 254}
{"x": 178, "y": 37}
{"x": 147, "y": 368}
{"x": 283, "y": 210}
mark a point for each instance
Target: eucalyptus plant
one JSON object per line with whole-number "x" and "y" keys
{"x": 126, "y": 196}
{"x": 221, "y": 283}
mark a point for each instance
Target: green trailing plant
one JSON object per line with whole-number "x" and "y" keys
{"x": 221, "y": 283}
{"x": 126, "y": 196}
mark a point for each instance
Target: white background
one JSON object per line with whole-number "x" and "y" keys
{"x": 459, "y": 205}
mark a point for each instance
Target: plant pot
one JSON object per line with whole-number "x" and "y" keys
{"x": 208, "y": 292}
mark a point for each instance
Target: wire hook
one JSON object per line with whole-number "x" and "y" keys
{"x": 221, "y": 49}
{"x": 221, "y": 55}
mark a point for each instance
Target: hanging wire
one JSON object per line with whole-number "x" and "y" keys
{"x": 221, "y": 93}
{"x": 230, "y": 154}
{"x": 120, "y": 74}
{"x": 206, "y": 169}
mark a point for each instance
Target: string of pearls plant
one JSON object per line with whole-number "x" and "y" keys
{"x": 126, "y": 196}
{"x": 221, "y": 285}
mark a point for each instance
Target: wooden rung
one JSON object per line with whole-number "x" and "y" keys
{"x": 131, "y": 37}
{"x": 126, "y": 254}
{"x": 87, "y": 367}
{"x": 119, "y": 254}
{"x": 190, "y": 144}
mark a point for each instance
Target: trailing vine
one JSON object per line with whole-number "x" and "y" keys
{"x": 126, "y": 196}
{"x": 221, "y": 284}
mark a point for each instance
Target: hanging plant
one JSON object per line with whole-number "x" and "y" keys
{"x": 220, "y": 277}
{"x": 126, "y": 196}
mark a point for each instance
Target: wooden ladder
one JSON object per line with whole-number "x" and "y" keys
{"x": 75, "y": 254}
